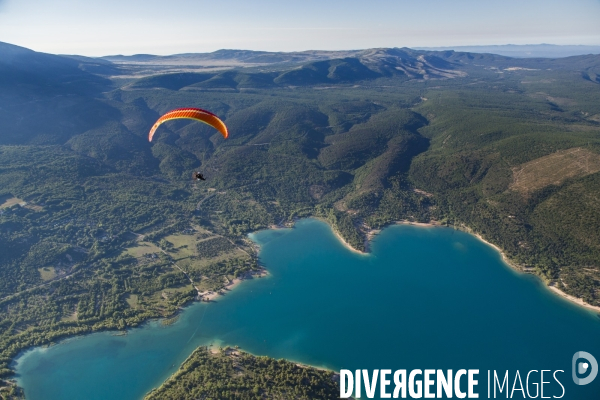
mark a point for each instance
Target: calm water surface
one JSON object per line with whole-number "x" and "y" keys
{"x": 424, "y": 298}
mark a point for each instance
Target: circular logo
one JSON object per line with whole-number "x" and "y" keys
{"x": 581, "y": 367}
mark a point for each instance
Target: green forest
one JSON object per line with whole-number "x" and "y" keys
{"x": 232, "y": 374}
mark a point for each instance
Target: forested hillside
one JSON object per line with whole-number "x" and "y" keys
{"x": 231, "y": 374}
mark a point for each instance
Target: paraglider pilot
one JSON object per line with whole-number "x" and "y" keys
{"x": 197, "y": 114}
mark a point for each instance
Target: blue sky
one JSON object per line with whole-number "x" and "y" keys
{"x": 106, "y": 27}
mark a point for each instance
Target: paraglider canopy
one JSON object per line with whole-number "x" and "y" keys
{"x": 197, "y": 114}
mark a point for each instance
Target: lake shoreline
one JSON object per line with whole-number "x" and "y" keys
{"x": 252, "y": 320}
{"x": 211, "y": 296}
{"x": 551, "y": 287}
{"x": 372, "y": 233}
{"x": 572, "y": 299}
{"x": 339, "y": 236}
{"x": 262, "y": 272}
{"x": 229, "y": 351}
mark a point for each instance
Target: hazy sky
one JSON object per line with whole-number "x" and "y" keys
{"x": 106, "y": 27}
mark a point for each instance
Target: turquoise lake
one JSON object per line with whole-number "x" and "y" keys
{"x": 430, "y": 298}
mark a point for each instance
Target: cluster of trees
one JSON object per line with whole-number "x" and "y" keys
{"x": 345, "y": 225}
{"x": 10, "y": 391}
{"x": 212, "y": 247}
{"x": 233, "y": 374}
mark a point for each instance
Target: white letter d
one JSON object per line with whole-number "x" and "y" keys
{"x": 345, "y": 374}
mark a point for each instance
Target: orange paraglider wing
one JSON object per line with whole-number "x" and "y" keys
{"x": 197, "y": 114}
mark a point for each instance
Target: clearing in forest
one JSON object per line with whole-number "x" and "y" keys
{"x": 143, "y": 248}
{"x": 47, "y": 273}
{"x": 554, "y": 169}
{"x": 9, "y": 201}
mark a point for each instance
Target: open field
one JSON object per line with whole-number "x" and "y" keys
{"x": 168, "y": 293}
{"x": 47, "y": 273}
{"x": 132, "y": 300}
{"x": 6, "y": 201}
{"x": 142, "y": 249}
{"x": 184, "y": 246}
{"x": 70, "y": 317}
{"x": 554, "y": 169}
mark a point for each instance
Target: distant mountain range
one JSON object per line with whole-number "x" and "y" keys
{"x": 248, "y": 57}
{"x": 49, "y": 99}
{"x": 524, "y": 51}
{"x": 235, "y": 69}
{"x": 382, "y": 61}
{"x": 22, "y": 69}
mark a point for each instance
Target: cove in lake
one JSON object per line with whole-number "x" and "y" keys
{"x": 424, "y": 298}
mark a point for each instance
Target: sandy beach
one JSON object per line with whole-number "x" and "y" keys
{"x": 210, "y": 295}
{"x": 573, "y": 299}
{"x": 518, "y": 268}
{"x": 424, "y": 224}
{"x": 373, "y": 232}
{"x": 346, "y": 244}
{"x": 506, "y": 260}
{"x": 341, "y": 239}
